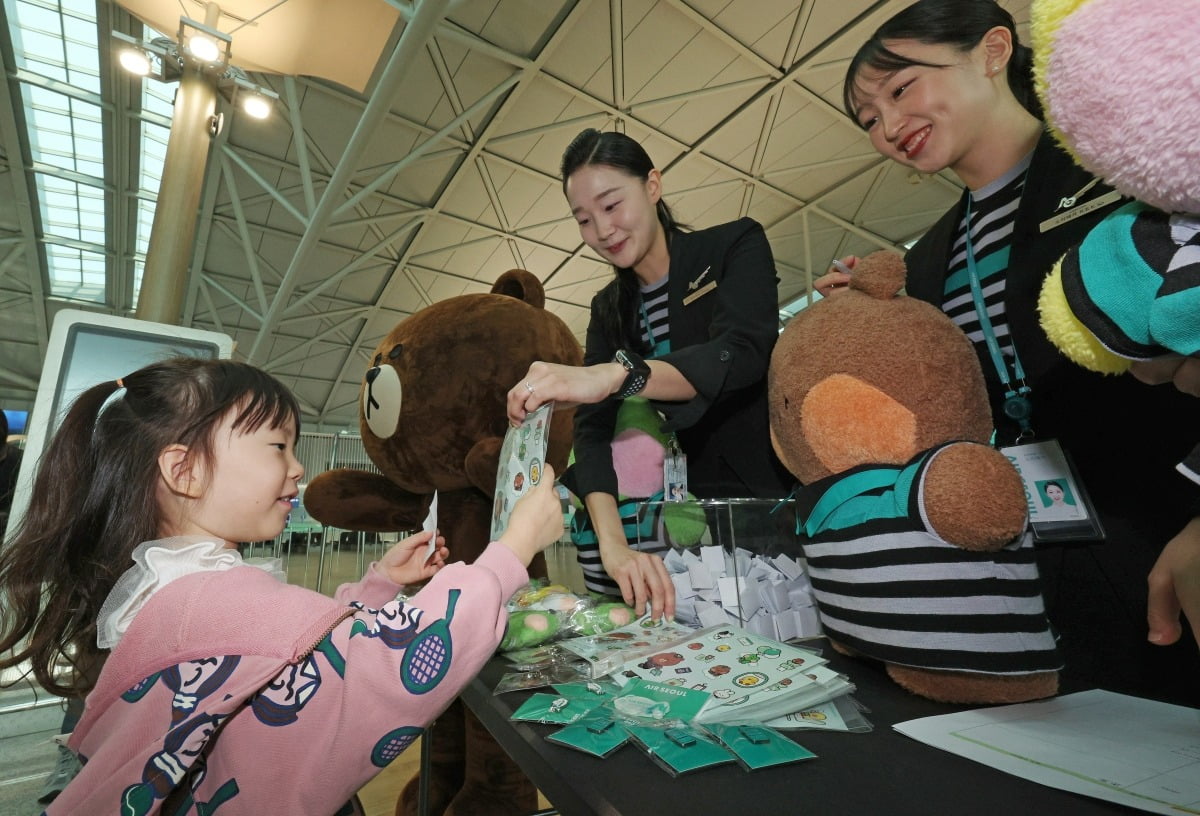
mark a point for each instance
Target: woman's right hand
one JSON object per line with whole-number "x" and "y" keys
{"x": 642, "y": 577}
{"x": 565, "y": 385}
{"x": 835, "y": 280}
{"x": 536, "y": 521}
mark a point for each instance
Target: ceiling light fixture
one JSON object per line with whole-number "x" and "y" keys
{"x": 256, "y": 105}
{"x": 135, "y": 61}
{"x": 201, "y": 48}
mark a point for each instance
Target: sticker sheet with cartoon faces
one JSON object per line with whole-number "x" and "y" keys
{"x": 733, "y": 665}
{"x": 522, "y": 458}
{"x": 609, "y": 650}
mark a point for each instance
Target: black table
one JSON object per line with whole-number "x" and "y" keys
{"x": 881, "y": 772}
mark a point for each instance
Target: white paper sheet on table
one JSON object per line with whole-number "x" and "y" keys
{"x": 1135, "y": 752}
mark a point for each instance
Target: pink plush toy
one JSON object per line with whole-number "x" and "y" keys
{"x": 1120, "y": 84}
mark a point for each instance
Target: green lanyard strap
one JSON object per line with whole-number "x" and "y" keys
{"x": 1017, "y": 406}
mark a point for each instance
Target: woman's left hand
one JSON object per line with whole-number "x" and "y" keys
{"x": 567, "y": 386}
{"x": 405, "y": 562}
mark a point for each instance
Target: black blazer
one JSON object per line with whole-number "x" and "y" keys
{"x": 1125, "y": 436}
{"x": 721, "y": 341}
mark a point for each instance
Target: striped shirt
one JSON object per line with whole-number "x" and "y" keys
{"x": 654, "y": 319}
{"x": 993, "y": 214}
{"x": 644, "y": 531}
{"x": 888, "y": 587}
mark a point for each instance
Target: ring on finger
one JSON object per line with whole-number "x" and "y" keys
{"x": 529, "y": 388}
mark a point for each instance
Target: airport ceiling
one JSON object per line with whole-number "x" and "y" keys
{"x": 412, "y": 156}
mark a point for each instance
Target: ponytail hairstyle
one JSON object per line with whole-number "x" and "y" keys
{"x": 957, "y": 23}
{"x": 617, "y": 309}
{"x": 94, "y": 500}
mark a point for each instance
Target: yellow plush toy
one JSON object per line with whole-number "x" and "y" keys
{"x": 913, "y": 527}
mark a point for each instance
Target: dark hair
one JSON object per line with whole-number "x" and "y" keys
{"x": 617, "y": 308}
{"x": 959, "y": 23}
{"x": 94, "y": 500}
{"x": 3, "y": 429}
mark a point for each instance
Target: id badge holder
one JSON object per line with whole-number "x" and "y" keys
{"x": 1060, "y": 510}
{"x": 675, "y": 473}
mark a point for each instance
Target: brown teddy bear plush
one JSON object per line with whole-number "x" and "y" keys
{"x": 432, "y": 416}
{"x": 913, "y": 527}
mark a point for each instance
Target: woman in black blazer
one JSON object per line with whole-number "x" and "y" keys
{"x": 946, "y": 84}
{"x": 689, "y": 322}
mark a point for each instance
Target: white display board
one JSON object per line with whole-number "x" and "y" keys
{"x": 86, "y": 349}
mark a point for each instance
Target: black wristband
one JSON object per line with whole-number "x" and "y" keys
{"x": 637, "y": 373}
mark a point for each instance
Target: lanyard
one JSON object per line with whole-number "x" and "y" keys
{"x": 1017, "y": 406}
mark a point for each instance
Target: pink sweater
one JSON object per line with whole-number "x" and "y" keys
{"x": 309, "y": 697}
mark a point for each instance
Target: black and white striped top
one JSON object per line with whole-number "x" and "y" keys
{"x": 993, "y": 214}
{"x": 888, "y": 587}
{"x": 656, "y": 335}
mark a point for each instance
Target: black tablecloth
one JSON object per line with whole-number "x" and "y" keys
{"x": 881, "y": 772}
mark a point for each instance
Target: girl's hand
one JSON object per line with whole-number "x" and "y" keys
{"x": 405, "y": 562}
{"x": 565, "y": 385}
{"x": 642, "y": 578}
{"x": 536, "y": 521}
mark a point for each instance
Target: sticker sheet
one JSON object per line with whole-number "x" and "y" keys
{"x": 747, "y": 675}
{"x": 608, "y": 651}
{"x": 522, "y": 459}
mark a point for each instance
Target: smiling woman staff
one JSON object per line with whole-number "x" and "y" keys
{"x": 945, "y": 84}
{"x": 689, "y": 323}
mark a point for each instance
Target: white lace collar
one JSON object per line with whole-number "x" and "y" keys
{"x": 156, "y": 564}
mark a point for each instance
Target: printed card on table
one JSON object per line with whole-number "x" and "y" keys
{"x": 522, "y": 460}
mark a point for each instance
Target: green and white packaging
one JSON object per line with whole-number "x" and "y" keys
{"x": 757, "y": 746}
{"x": 679, "y": 749}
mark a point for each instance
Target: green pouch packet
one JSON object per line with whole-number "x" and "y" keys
{"x": 757, "y": 746}
{"x": 553, "y": 708}
{"x": 680, "y": 748}
{"x": 596, "y": 733}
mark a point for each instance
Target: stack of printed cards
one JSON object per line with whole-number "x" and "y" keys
{"x": 749, "y": 678}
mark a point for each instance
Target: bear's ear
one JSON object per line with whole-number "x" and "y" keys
{"x": 522, "y": 285}
{"x": 881, "y": 274}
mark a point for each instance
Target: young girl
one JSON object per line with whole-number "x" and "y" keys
{"x": 220, "y": 683}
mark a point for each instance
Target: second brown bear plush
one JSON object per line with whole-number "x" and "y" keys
{"x": 913, "y": 527}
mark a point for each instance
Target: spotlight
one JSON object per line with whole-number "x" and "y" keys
{"x": 203, "y": 48}
{"x": 135, "y": 61}
{"x": 256, "y": 105}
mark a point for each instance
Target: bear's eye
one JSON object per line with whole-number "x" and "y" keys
{"x": 378, "y": 359}
{"x": 396, "y": 351}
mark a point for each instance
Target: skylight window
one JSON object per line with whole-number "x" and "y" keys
{"x": 56, "y": 41}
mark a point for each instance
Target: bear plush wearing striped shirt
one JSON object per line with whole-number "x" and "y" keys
{"x": 913, "y": 527}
